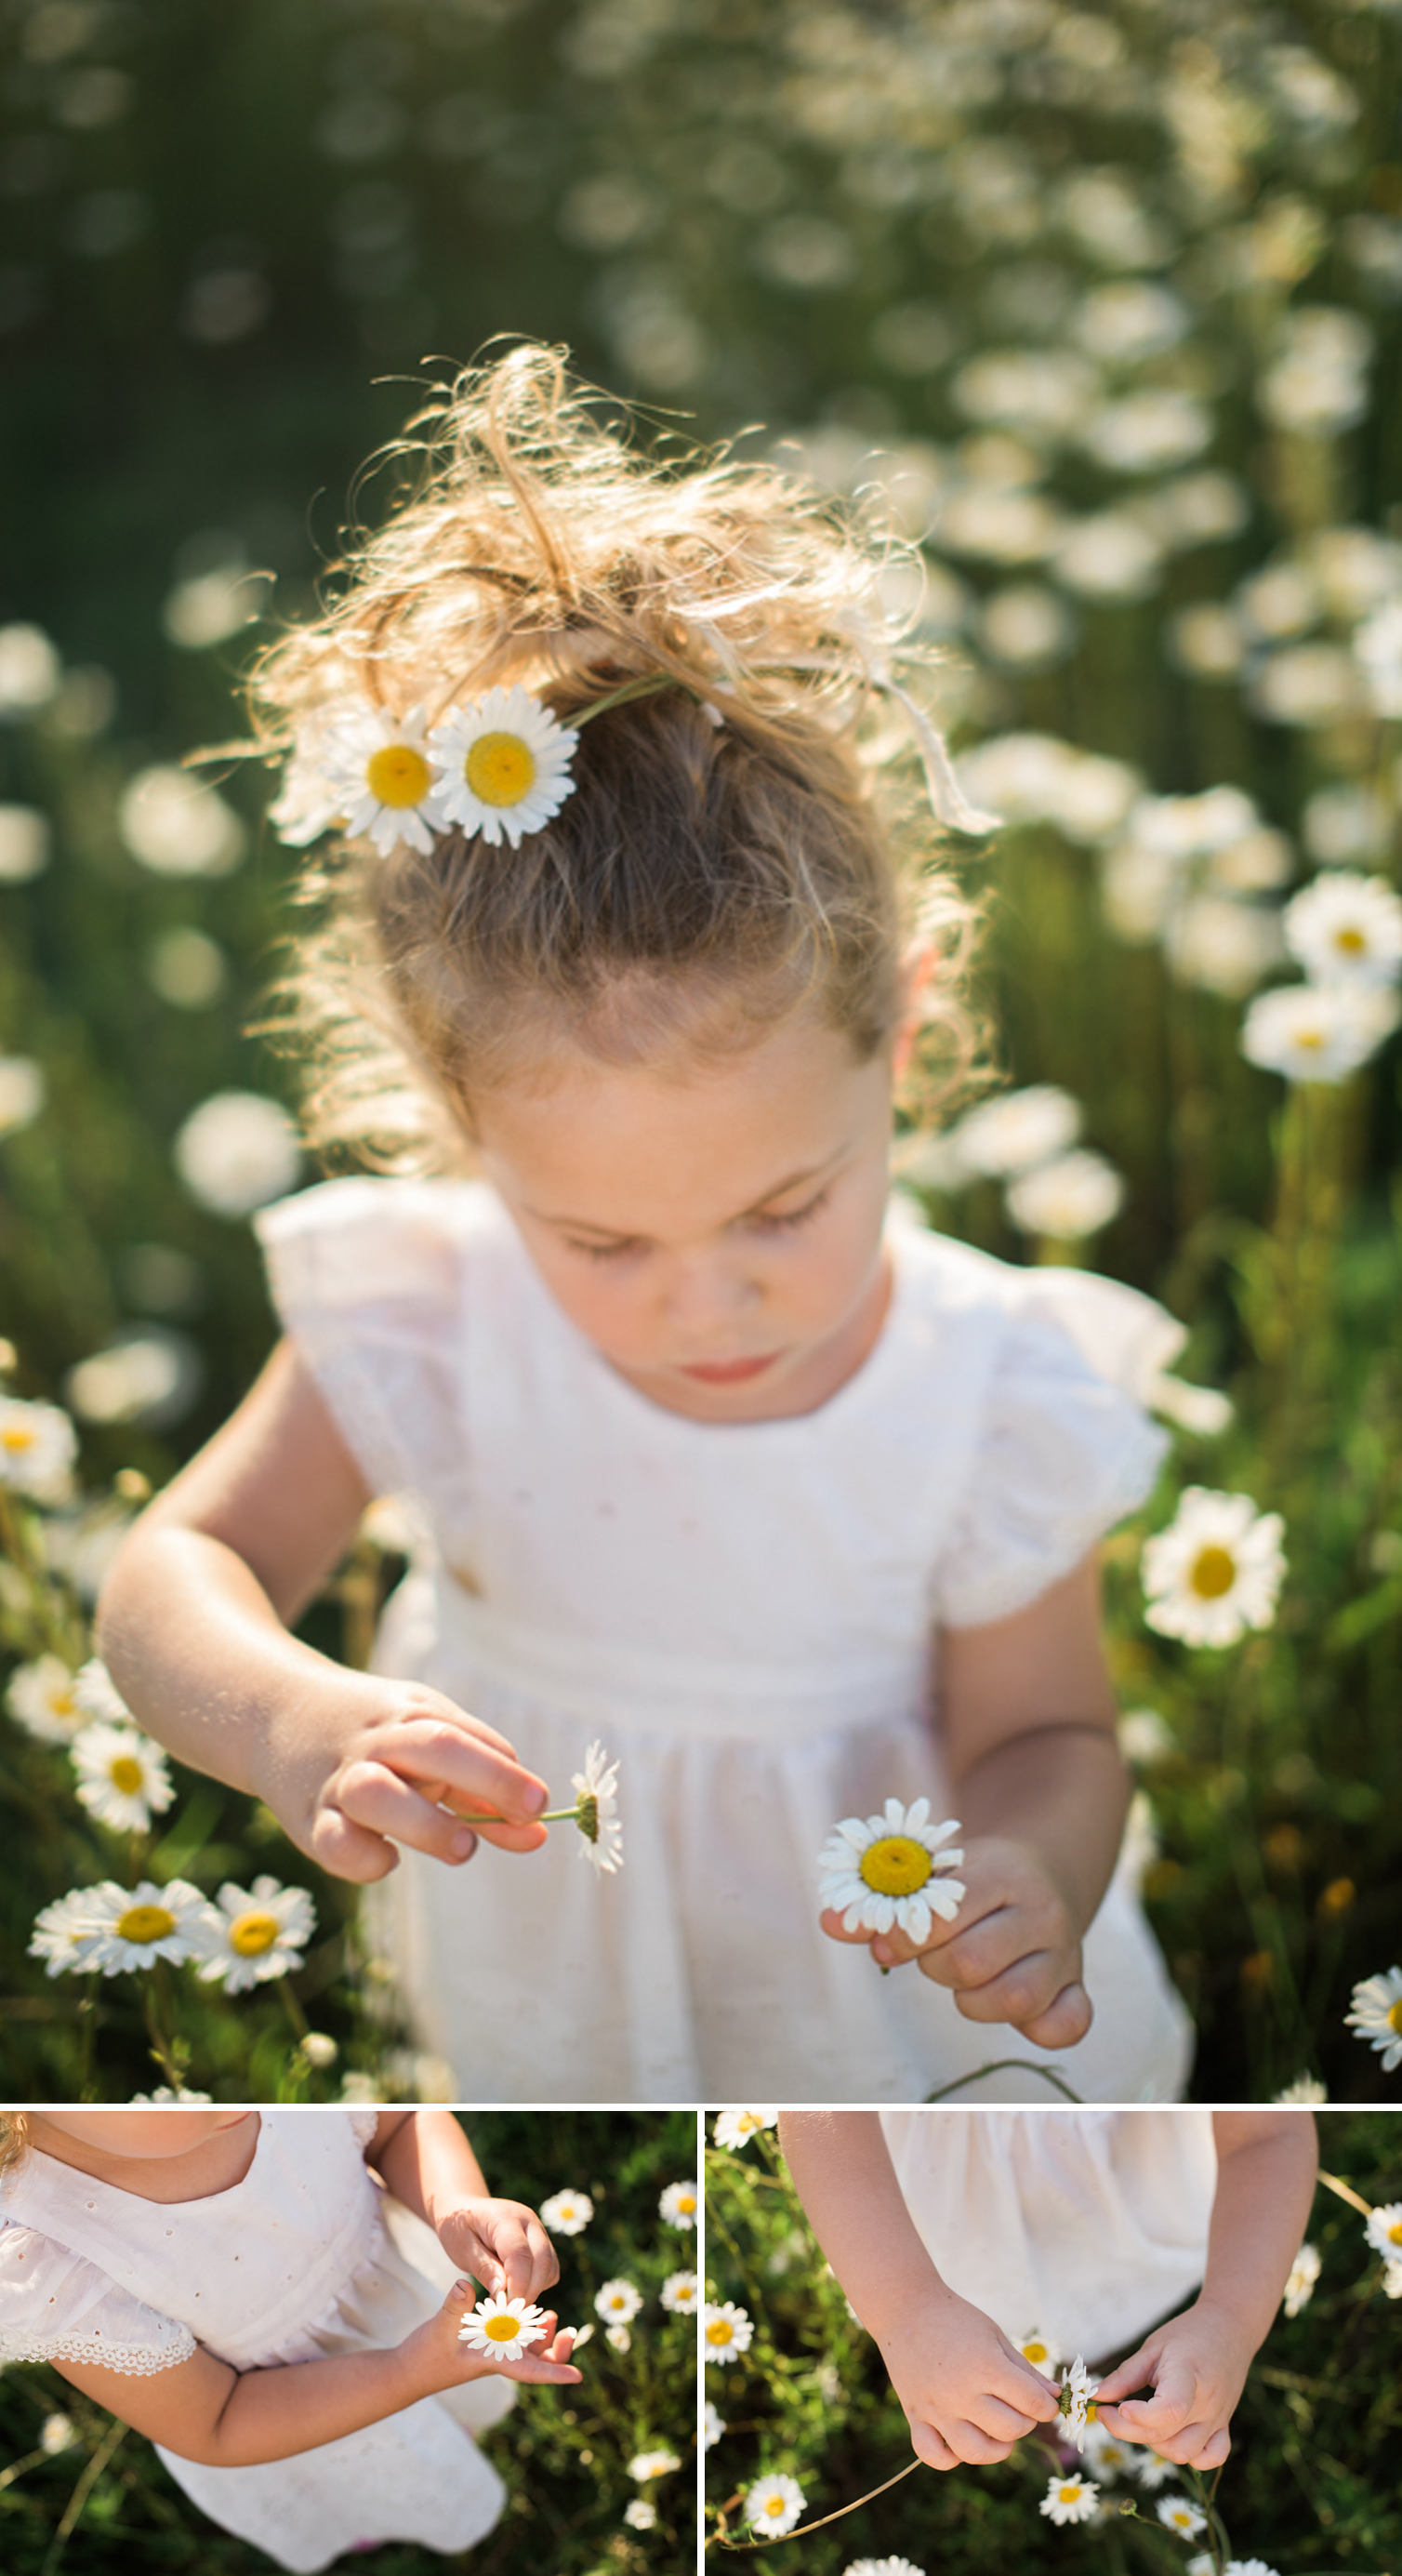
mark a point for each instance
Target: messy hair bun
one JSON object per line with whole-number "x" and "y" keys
{"x": 739, "y": 842}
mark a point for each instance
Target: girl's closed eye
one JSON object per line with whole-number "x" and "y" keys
{"x": 772, "y": 1224}
{"x": 762, "y": 1223}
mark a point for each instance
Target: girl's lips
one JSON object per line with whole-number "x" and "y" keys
{"x": 730, "y": 1372}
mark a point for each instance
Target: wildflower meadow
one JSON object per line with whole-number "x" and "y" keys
{"x": 804, "y": 2434}
{"x": 1097, "y": 310}
{"x": 600, "y": 2477}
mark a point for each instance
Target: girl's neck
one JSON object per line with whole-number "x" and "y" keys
{"x": 218, "y": 2164}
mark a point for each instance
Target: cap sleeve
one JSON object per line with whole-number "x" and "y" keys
{"x": 1065, "y": 1451}
{"x": 364, "y": 2120}
{"x": 56, "y": 2306}
{"x": 366, "y": 1277}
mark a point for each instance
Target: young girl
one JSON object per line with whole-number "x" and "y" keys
{"x": 237, "y": 2286}
{"x": 794, "y": 1510}
{"x": 967, "y": 2240}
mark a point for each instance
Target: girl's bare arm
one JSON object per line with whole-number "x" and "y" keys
{"x": 203, "y": 2410}
{"x": 1027, "y": 1721}
{"x": 428, "y": 2163}
{"x": 193, "y": 1624}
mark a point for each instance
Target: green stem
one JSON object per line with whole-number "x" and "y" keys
{"x": 87, "y": 2035}
{"x": 646, "y": 688}
{"x": 114, "y": 2434}
{"x": 154, "y": 1999}
{"x": 740, "y": 2548}
{"x": 999, "y": 2066}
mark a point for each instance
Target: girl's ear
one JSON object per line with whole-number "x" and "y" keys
{"x": 918, "y": 968}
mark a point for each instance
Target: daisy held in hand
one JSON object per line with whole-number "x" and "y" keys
{"x": 889, "y": 1872}
{"x": 503, "y": 2329}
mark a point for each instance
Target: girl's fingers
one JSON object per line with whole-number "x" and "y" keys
{"x": 1065, "y": 2020}
{"x": 347, "y": 1850}
{"x": 1136, "y": 2371}
{"x": 1214, "y": 2450}
{"x": 370, "y": 1795}
{"x": 1000, "y": 2421}
{"x": 1024, "y": 1991}
{"x": 932, "y": 2447}
{"x": 976, "y": 2448}
{"x": 1025, "y": 2389}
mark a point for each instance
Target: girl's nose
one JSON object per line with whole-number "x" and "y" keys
{"x": 706, "y": 1294}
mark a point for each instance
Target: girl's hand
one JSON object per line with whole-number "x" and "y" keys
{"x": 502, "y": 2244}
{"x": 1196, "y": 2365}
{"x": 967, "y": 2394}
{"x": 406, "y": 1766}
{"x": 437, "y": 2360}
{"x": 1012, "y": 1952}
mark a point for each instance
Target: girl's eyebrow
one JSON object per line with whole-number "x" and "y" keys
{"x": 792, "y": 1181}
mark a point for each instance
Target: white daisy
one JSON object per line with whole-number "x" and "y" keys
{"x": 640, "y": 2515}
{"x": 1384, "y": 2231}
{"x": 734, "y": 2127}
{"x": 1070, "y": 2499}
{"x": 566, "y": 2213}
{"x": 652, "y": 2464}
{"x": 41, "y": 1698}
{"x": 1042, "y": 2353}
{"x": 38, "y": 1445}
{"x": 309, "y": 803}
{"x": 1107, "y": 2455}
{"x": 114, "y": 1928}
{"x": 1151, "y": 2468}
{"x": 773, "y": 2506}
{"x": 1076, "y": 1195}
{"x": 882, "y": 2567}
{"x": 1346, "y": 929}
{"x": 1376, "y": 2015}
{"x": 618, "y": 2303}
{"x": 503, "y": 2329}
{"x": 678, "y": 2204}
{"x": 98, "y": 1697}
{"x": 165, "y": 2093}
{"x": 1077, "y": 2389}
{"x": 887, "y": 1872}
{"x": 1017, "y": 1131}
{"x": 56, "y": 2433}
{"x": 1317, "y": 1032}
{"x": 1304, "y": 2088}
{"x": 378, "y": 771}
{"x": 619, "y": 2337}
{"x": 504, "y": 767}
{"x": 715, "y": 2426}
{"x": 726, "y": 2331}
{"x": 596, "y": 1788}
{"x": 1247, "y": 2567}
{"x": 123, "y": 1777}
{"x": 1304, "y": 2272}
{"x": 679, "y": 2293}
{"x": 259, "y": 1932}
{"x": 1176, "y": 2514}
{"x": 1392, "y": 2280}
{"x": 1215, "y": 1571}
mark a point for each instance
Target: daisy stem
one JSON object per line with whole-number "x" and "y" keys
{"x": 293, "y": 2007}
{"x": 1332, "y": 2183}
{"x": 999, "y": 2065}
{"x": 154, "y": 1999}
{"x": 87, "y": 2033}
{"x": 742, "y": 2546}
{"x": 553, "y": 1816}
{"x": 647, "y": 688}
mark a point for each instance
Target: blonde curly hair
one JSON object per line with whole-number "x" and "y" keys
{"x": 14, "y": 2139}
{"x": 734, "y": 848}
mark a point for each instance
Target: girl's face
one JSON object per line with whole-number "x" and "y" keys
{"x": 139, "y": 2132}
{"x": 717, "y": 1235}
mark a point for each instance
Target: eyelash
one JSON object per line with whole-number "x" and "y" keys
{"x": 764, "y": 1224}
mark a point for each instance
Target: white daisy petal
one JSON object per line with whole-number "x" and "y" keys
{"x": 502, "y": 2329}
{"x": 1376, "y": 2015}
{"x": 112, "y": 1928}
{"x": 678, "y": 2204}
{"x": 1070, "y": 2499}
{"x": 123, "y": 1777}
{"x": 726, "y": 2331}
{"x": 618, "y": 2302}
{"x": 258, "y": 1933}
{"x": 378, "y": 773}
{"x": 596, "y": 1789}
{"x": 773, "y": 2506}
{"x": 566, "y": 2213}
{"x": 1215, "y": 1571}
{"x": 732, "y": 2128}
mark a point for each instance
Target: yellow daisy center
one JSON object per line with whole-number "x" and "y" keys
{"x": 398, "y": 775}
{"x": 686, "y": 2200}
{"x": 63, "y": 1703}
{"x": 896, "y": 1865}
{"x": 125, "y": 1774}
{"x": 1092, "y": 2410}
{"x": 1394, "y": 2234}
{"x": 1070, "y": 2492}
{"x": 748, "y": 2121}
{"x": 500, "y": 2329}
{"x": 774, "y": 2504}
{"x": 1036, "y": 2353}
{"x": 17, "y": 1435}
{"x": 1309, "y": 1037}
{"x": 720, "y": 2331}
{"x": 145, "y": 1923}
{"x": 500, "y": 769}
{"x": 1394, "y": 2017}
{"x": 251, "y": 1934}
{"x": 1213, "y": 1572}
{"x": 1350, "y": 940}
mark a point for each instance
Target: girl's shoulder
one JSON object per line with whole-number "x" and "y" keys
{"x": 1037, "y": 1320}
{"x": 56, "y": 2305}
{"x": 363, "y": 1241}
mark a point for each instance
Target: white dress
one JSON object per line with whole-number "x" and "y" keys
{"x": 304, "y": 2259}
{"x": 743, "y": 1614}
{"x": 1084, "y": 2227}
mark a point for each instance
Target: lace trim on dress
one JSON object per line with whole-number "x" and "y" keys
{"x": 364, "y": 2122}
{"x": 134, "y": 2361}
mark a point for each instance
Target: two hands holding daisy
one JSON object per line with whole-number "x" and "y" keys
{"x": 502, "y": 2245}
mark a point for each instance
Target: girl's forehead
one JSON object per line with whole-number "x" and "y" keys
{"x": 626, "y": 1149}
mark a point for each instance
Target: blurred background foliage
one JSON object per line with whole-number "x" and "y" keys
{"x": 1308, "y": 2484}
{"x": 563, "y": 2453}
{"x": 1102, "y": 304}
